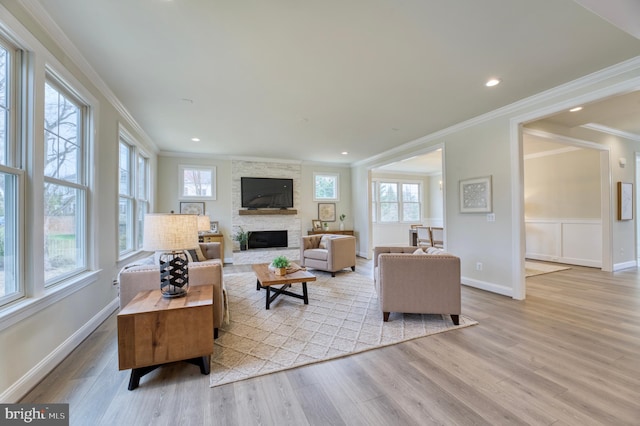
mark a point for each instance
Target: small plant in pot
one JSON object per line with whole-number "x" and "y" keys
{"x": 242, "y": 237}
{"x": 280, "y": 264}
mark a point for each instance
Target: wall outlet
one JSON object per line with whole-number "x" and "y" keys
{"x": 491, "y": 217}
{"x": 478, "y": 266}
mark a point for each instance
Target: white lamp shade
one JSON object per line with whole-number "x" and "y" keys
{"x": 169, "y": 232}
{"x": 204, "y": 223}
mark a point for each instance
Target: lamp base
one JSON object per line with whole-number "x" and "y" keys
{"x": 174, "y": 274}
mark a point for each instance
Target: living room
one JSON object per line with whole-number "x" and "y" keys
{"x": 57, "y": 319}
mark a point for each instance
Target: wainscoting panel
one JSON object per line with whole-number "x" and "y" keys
{"x": 571, "y": 241}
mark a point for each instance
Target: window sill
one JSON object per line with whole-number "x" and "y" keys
{"x": 29, "y": 306}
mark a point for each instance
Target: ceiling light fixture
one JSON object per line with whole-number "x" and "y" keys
{"x": 493, "y": 82}
{"x": 344, "y": 153}
{"x": 195, "y": 139}
{"x": 575, "y": 109}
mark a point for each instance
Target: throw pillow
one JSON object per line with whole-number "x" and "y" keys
{"x": 419, "y": 251}
{"x": 201, "y": 256}
{"x": 192, "y": 255}
{"x": 324, "y": 241}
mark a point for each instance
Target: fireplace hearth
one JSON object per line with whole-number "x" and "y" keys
{"x": 268, "y": 239}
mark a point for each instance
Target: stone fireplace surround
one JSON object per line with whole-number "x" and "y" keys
{"x": 268, "y": 222}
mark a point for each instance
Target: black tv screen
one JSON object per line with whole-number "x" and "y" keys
{"x": 261, "y": 193}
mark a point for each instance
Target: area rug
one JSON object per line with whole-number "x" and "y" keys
{"x": 534, "y": 268}
{"x": 342, "y": 318}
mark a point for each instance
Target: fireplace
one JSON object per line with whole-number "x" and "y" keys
{"x": 268, "y": 239}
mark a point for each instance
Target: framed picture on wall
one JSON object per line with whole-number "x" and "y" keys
{"x": 475, "y": 195}
{"x": 317, "y": 225}
{"x": 191, "y": 207}
{"x": 214, "y": 227}
{"x": 625, "y": 201}
{"x": 327, "y": 212}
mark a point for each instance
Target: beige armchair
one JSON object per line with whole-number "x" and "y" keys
{"x": 417, "y": 283}
{"x": 328, "y": 252}
{"x": 145, "y": 275}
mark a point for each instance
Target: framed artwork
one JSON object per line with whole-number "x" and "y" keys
{"x": 475, "y": 195}
{"x": 327, "y": 212}
{"x": 191, "y": 207}
{"x": 317, "y": 225}
{"x": 625, "y": 201}
{"x": 214, "y": 227}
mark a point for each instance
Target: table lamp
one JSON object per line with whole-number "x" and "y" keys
{"x": 204, "y": 223}
{"x": 171, "y": 234}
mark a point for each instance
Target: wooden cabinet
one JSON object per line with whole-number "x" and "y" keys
{"x": 214, "y": 238}
{"x": 344, "y": 232}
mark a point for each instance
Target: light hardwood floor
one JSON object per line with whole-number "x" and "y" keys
{"x": 567, "y": 355}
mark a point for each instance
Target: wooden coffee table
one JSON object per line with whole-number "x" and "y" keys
{"x": 267, "y": 278}
{"x": 153, "y": 330}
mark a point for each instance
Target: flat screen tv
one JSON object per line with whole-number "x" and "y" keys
{"x": 262, "y": 193}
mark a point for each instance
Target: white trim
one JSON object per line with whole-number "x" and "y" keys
{"x": 625, "y": 265}
{"x": 580, "y": 143}
{"x": 551, "y": 153}
{"x": 484, "y": 285}
{"x": 20, "y": 310}
{"x": 22, "y": 386}
{"x": 608, "y": 130}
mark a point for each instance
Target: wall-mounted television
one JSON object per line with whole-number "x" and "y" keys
{"x": 262, "y": 193}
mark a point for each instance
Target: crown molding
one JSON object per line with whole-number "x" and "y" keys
{"x": 629, "y": 65}
{"x": 40, "y": 15}
{"x": 611, "y": 131}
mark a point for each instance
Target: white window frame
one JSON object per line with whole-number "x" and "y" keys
{"x": 81, "y": 185}
{"x": 14, "y": 168}
{"x": 138, "y": 201}
{"x": 376, "y": 211}
{"x": 184, "y": 167}
{"x": 336, "y": 184}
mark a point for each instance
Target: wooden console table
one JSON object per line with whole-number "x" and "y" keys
{"x": 153, "y": 330}
{"x": 209, "y": 237}
{"x": 337, "y": 232}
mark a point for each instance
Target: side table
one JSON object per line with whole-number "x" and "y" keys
{"x": 153, "y": 330}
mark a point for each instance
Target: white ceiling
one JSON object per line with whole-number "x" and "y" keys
{"x": 308, "y": 80}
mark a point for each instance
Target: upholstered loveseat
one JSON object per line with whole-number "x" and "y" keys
{"x": 145, "y": 275}
{"x": 328, "y": 252}
{"x": 417, "y": 283}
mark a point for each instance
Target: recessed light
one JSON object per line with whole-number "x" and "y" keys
{"x": 576, "y": 109}
{"x": 344, "y": 153}
{"x": 493, "y": 82}
{"x": 195, "y": 139}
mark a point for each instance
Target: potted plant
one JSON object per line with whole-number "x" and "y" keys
{"x": 325, "y": 226}
{"x": 342, "y": 218}
{"x": 280, "y": 264}
{"x": 242, "y": 237}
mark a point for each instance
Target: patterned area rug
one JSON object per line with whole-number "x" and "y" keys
{"x": 534, "y": 268}
{"x": 342, "y": 318}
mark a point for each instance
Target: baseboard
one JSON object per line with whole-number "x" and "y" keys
{"x": 34, "y": 376}
{"x": 491, "y": 287}
{"x": 625, "y": 265}
{"x": 564, "y": 260}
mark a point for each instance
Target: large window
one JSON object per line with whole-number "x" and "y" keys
{"x": 396, "y": 201}
{"x": 134, "y": 196}
{"x": 11, "y": 175}
{"x": 65, "y": 184}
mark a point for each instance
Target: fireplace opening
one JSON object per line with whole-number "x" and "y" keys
{"x": 268, "y": 239}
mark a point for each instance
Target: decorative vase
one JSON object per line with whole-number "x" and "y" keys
{"x": 281, "y": 271}
{"x": 342, "y": 226}
{"x": 325, "y": 227}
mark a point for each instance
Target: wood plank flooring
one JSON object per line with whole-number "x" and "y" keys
{"x": 567, "y": 355}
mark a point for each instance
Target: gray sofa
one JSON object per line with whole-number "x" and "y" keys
{"x": 417, "y": 283}
{"x": 339, "y": 252}
{"x": 145, "y": 275}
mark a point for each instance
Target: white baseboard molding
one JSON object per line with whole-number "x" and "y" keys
{"x": 625, "y": 265}
{"x": 566, "y": 260}
{"x": 363, "y": 254}
{"x": 34, "y": 376}
{"x": 491, "y": 287}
